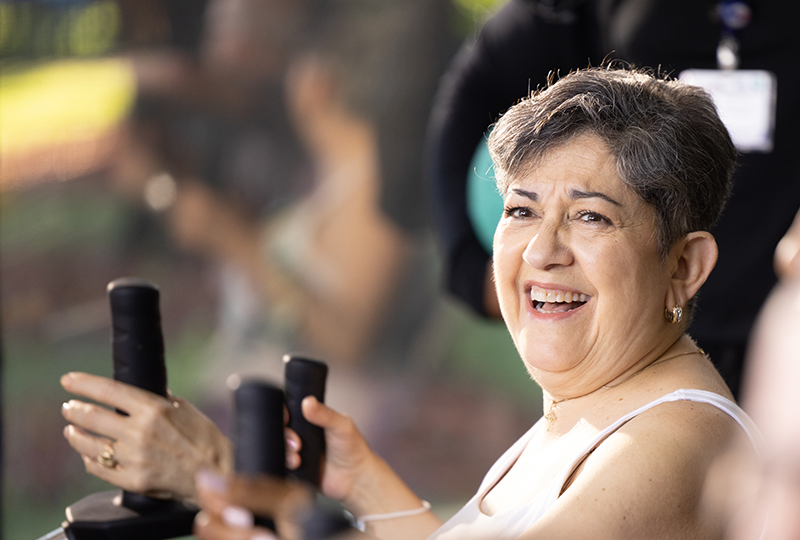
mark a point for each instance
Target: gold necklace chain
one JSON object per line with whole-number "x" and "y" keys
{"x": 550, "y": 417}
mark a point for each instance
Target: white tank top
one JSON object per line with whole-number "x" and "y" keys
{"x": 470, "y": 523}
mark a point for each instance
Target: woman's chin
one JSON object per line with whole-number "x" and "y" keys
{"x": 547, "y": 354}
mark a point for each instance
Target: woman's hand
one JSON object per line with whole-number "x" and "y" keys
{"x": 348, "y": 457}
{"x": 229, "y": 503}
{"x": 359, "y": 479}
{"x": 156, "y": 450}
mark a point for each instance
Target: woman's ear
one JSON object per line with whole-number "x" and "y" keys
{"x": 694, "y": 257}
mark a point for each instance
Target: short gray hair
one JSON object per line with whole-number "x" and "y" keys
{"x": 670, "y": 146}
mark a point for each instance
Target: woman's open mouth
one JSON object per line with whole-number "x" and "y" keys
{"x": 549, "y": 301}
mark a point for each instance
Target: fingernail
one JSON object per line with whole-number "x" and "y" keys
{"x": 65, "y": 406}
{"x": 263, "y": 536}
{"x": 292, "y": 444}
{"x": 201, "y": 519}
{"x": 236, "y": 516}
{"x": 210, "y": 481}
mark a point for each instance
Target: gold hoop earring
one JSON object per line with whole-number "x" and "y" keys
{"x": 674, "y": 315}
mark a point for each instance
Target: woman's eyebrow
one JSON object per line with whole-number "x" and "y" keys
{"x": 532, "y": 195}
{"x": 576, "y": 194}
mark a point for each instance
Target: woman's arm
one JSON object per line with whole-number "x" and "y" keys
{"x": 158, "y": 447}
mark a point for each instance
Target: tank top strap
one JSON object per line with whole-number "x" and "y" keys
{"x": 686, "y": 394}
{"x": 725, "y": 405}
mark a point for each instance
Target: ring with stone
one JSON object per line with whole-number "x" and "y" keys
{"x": 106, "y": 458}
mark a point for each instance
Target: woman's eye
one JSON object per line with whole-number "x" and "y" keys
{"x": 518, "y": 212}
{"x": 593, "y": 217}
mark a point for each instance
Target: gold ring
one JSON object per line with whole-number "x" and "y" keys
{"x": 107, "y": 459}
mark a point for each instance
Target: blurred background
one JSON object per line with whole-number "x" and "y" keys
{"x": 261, "y": 162}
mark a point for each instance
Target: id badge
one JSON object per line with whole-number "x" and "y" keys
{"x": 745, "y": 100}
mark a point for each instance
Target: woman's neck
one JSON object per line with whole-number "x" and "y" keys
{"x": 680, "y": 347}
{"x": 561, "y": 403}
{"x": 591, "y": 374}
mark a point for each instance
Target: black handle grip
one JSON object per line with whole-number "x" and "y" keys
{"x": 306, "y": 377}
{"x": 137, "y": 342}
{"x": 138, "y": 349}
{"x": 259, "y": 446}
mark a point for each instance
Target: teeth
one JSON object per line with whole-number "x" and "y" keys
{"x": 557, "y": 296}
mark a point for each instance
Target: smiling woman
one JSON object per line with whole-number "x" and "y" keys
{"x": 611, "y": 179}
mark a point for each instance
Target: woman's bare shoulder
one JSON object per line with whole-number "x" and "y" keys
{"x": 646, "y": 479}
{"x": 681, "y": 426}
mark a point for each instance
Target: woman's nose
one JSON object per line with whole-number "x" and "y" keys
{"x": 547, "y": 248}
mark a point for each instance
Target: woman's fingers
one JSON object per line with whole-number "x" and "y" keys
{"x": 214, "y": 527}
{"x": 157, "y": 448}
{"x": 209, "y": 524}
{"x": 84, "y": 443}
{"x": 347, "y": 455}
{"x": 91, "y": 449}
{"x": 150, "y": 426}
{"x": 269, "y": 496}
{"x": 263, "y": 495}
{"x": 94, "y": 418}
{"x": 229, "y": 505}
{"x": 107, "y": 391}
{"x": 321, "y": 415}
{"x": 293, "y": 446}
{"x": 113, "y": 475}
{"x": 104, "y": 458}
{"x": 341, "y": 433}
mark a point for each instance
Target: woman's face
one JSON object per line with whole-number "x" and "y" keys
{"x": 577, "y": 268}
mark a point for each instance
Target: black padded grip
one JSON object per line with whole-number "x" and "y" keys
{"x": 259, "y": 446}
{"x": 137, "y": 341}
{"x": 137, "y": 345}
{"x": 305, "y": 377}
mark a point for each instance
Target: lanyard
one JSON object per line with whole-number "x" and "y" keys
{"x": 733, "y": 15}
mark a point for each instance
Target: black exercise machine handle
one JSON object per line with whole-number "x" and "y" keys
{"x": 259, "y": 446}
{"x": 138, "y": 349}
{"x": 306, "y": 377}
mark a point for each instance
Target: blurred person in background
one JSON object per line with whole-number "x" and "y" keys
{"x": 773, "y": 401}
{"x": 211, "y": 149}
{"x": 295, "y": 160}
{"x": 528, "y": 39}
